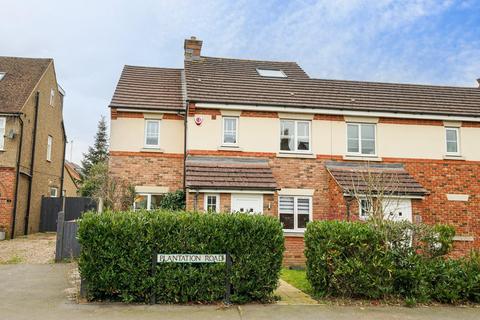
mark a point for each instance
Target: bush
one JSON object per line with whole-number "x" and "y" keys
{"x": 117, "y": 249}
{"x": 363, "y": 260}
{"x": 173, "y": 201}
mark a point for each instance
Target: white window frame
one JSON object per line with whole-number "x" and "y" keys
{"x": 149, "y": 199}
{"x": 217, "y": 201}
{"x": 3, "y": 126}
{"x": 295, "y": 212}
{"x": 49, "y": 148}
{"x": 52, "y": 97}
{"x": 2, "y": 75}
{"x": 151, "y": 146}
{"x": 55, "y": 193}
{"x": 271, "y": 73}
{"x": 295, "y": 136}
{"x": 457, "y": 130}
{"x": 236, "y": 131}
{"x": 360, "y": 207}
{"x": 359, "y": 126}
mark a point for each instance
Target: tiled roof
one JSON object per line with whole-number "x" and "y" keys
{"x": 74, "y": 170}
{"x": 149, "y": 88}
{"x": 229, "y": 173}
{"x": 362, "y": 178}
{"x": 21, "y": 77}
{"x": 235, "y": 81}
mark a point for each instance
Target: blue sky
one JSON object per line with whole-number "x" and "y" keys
{"x": 430, "y": 42}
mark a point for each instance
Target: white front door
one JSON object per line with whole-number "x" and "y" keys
{"x": 247, "y": 203}
{"x": 398, "y": 209}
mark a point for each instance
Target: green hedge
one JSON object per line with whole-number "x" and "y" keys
{"x": 117, "y": 249}
{"x": 362, "y": 260}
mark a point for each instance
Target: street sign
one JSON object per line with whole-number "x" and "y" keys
{"x": 191, "y": 258}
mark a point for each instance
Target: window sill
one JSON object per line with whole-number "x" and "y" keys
{"x": 453, "y": 157}
{"x": 463, "y": 238}
{"x": 158, "y": 150}
{"x": 293, "y": 233}
{"x": 229, "y": 148}
{"x": 296, "y": 155}
{"x": 361, "y": 158}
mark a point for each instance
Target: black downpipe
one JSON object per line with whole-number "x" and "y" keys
{"x": 62, "y": 174}
{"x": 17, "y": 179}
{"x": 32, "y": 162}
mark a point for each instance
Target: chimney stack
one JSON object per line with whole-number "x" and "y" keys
{"x": 193, "y": 48}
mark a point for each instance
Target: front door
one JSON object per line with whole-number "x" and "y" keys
{"x": 247, "y": 203}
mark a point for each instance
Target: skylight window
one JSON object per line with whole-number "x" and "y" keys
{"x": 2, "y": 74}
{"x": 275, "y": 73}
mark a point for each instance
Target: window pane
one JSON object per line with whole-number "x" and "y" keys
{"x": 451, "y": 135}
{"x": 155, "y": 201}
{"x": 287, "y": 220}
{"x": 286, "y": 204}
{"x": 303, "y": 144}
{"x": 302, "y": 220}
{"x": 353, "y": 145}
{"x": 352, "y": 131}
{"x": 368, "y": 131}
{"x": 452, "y": 147}
{"x": 303, "y": 130}
{"x": 287, "y": 131}
{"x": 211, "y": 203}
{"x": 140, "y": 202}
{"x": 303, "y": 205}
{"x": 152, "y": 133}
{"x": 368, "y": 146}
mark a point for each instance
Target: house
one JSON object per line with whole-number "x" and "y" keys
{"x": 72, "y": 179}
{"x": 263, "y": 136}
{"x": 32, "y": 141}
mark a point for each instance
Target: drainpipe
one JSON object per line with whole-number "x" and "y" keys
{"x": 195, "y": 202}
{"x": 17, "y": 179}
{"x": 348, "y": 202}
{"x": 32, "y": 162}
{"x": 62, "y": 174}
{"x": 185, "y": 120}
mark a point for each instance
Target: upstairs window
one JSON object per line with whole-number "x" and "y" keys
{"x": 274, "y": 73}
{"x": 452, "y": 138}
{"x": 49, "y": 148}
{"x": 361, "y": 139}
{"x": 152, "y": 133}
{"x": 230, "y": 131}
{"x": 52, "y": 97}
{"x": 2, "y": 75}
{"x": 295, "y": 212}
{"x": 294, "y": 136}
{"x": 2, "y": 132}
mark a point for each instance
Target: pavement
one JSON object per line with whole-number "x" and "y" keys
{"x": 292, "y": 296}
{"x": 40, "y": 291}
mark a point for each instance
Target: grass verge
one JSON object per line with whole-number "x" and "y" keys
{"x": 297, "y": 278}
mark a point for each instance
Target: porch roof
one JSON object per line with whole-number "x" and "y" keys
{"x": 229, "y": 173}
{"x": 388, "y": 179}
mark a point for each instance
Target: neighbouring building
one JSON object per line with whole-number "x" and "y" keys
{"x": 72, "y": 179}
{"x": 32, "y": 141}
{"x": 264, "y": 137}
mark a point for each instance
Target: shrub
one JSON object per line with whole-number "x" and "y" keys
{"x": 117, "y": 249}
{"x": 391, "y": 259}
{"x": 173, "y": 201}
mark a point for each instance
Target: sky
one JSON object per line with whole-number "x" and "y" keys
{"x": 427, "y": 42}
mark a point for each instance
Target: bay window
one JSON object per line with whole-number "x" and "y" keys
{"x": 294, "y": 136}
{"x": 294, "y": 212}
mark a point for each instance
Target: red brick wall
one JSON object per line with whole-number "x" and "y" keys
{"x": 146, "y": 169}
{"x": 7, "y": 193}
{"x": 293, "y": 255}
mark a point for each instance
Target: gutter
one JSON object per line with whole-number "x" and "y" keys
{"x": 32, "y": 162}
{"x": 17, "y": 179}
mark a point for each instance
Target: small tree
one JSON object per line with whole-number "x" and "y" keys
{"x": 116, "y": 193}
{"x": 98, "y": 153}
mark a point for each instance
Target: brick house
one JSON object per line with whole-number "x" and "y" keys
{"x": 32, "y": 141}
{"x": 71, "y": 179}
{"x": 262, "y": 136}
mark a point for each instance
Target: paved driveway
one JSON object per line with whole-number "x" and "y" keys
{"x": 39, "y": 292}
